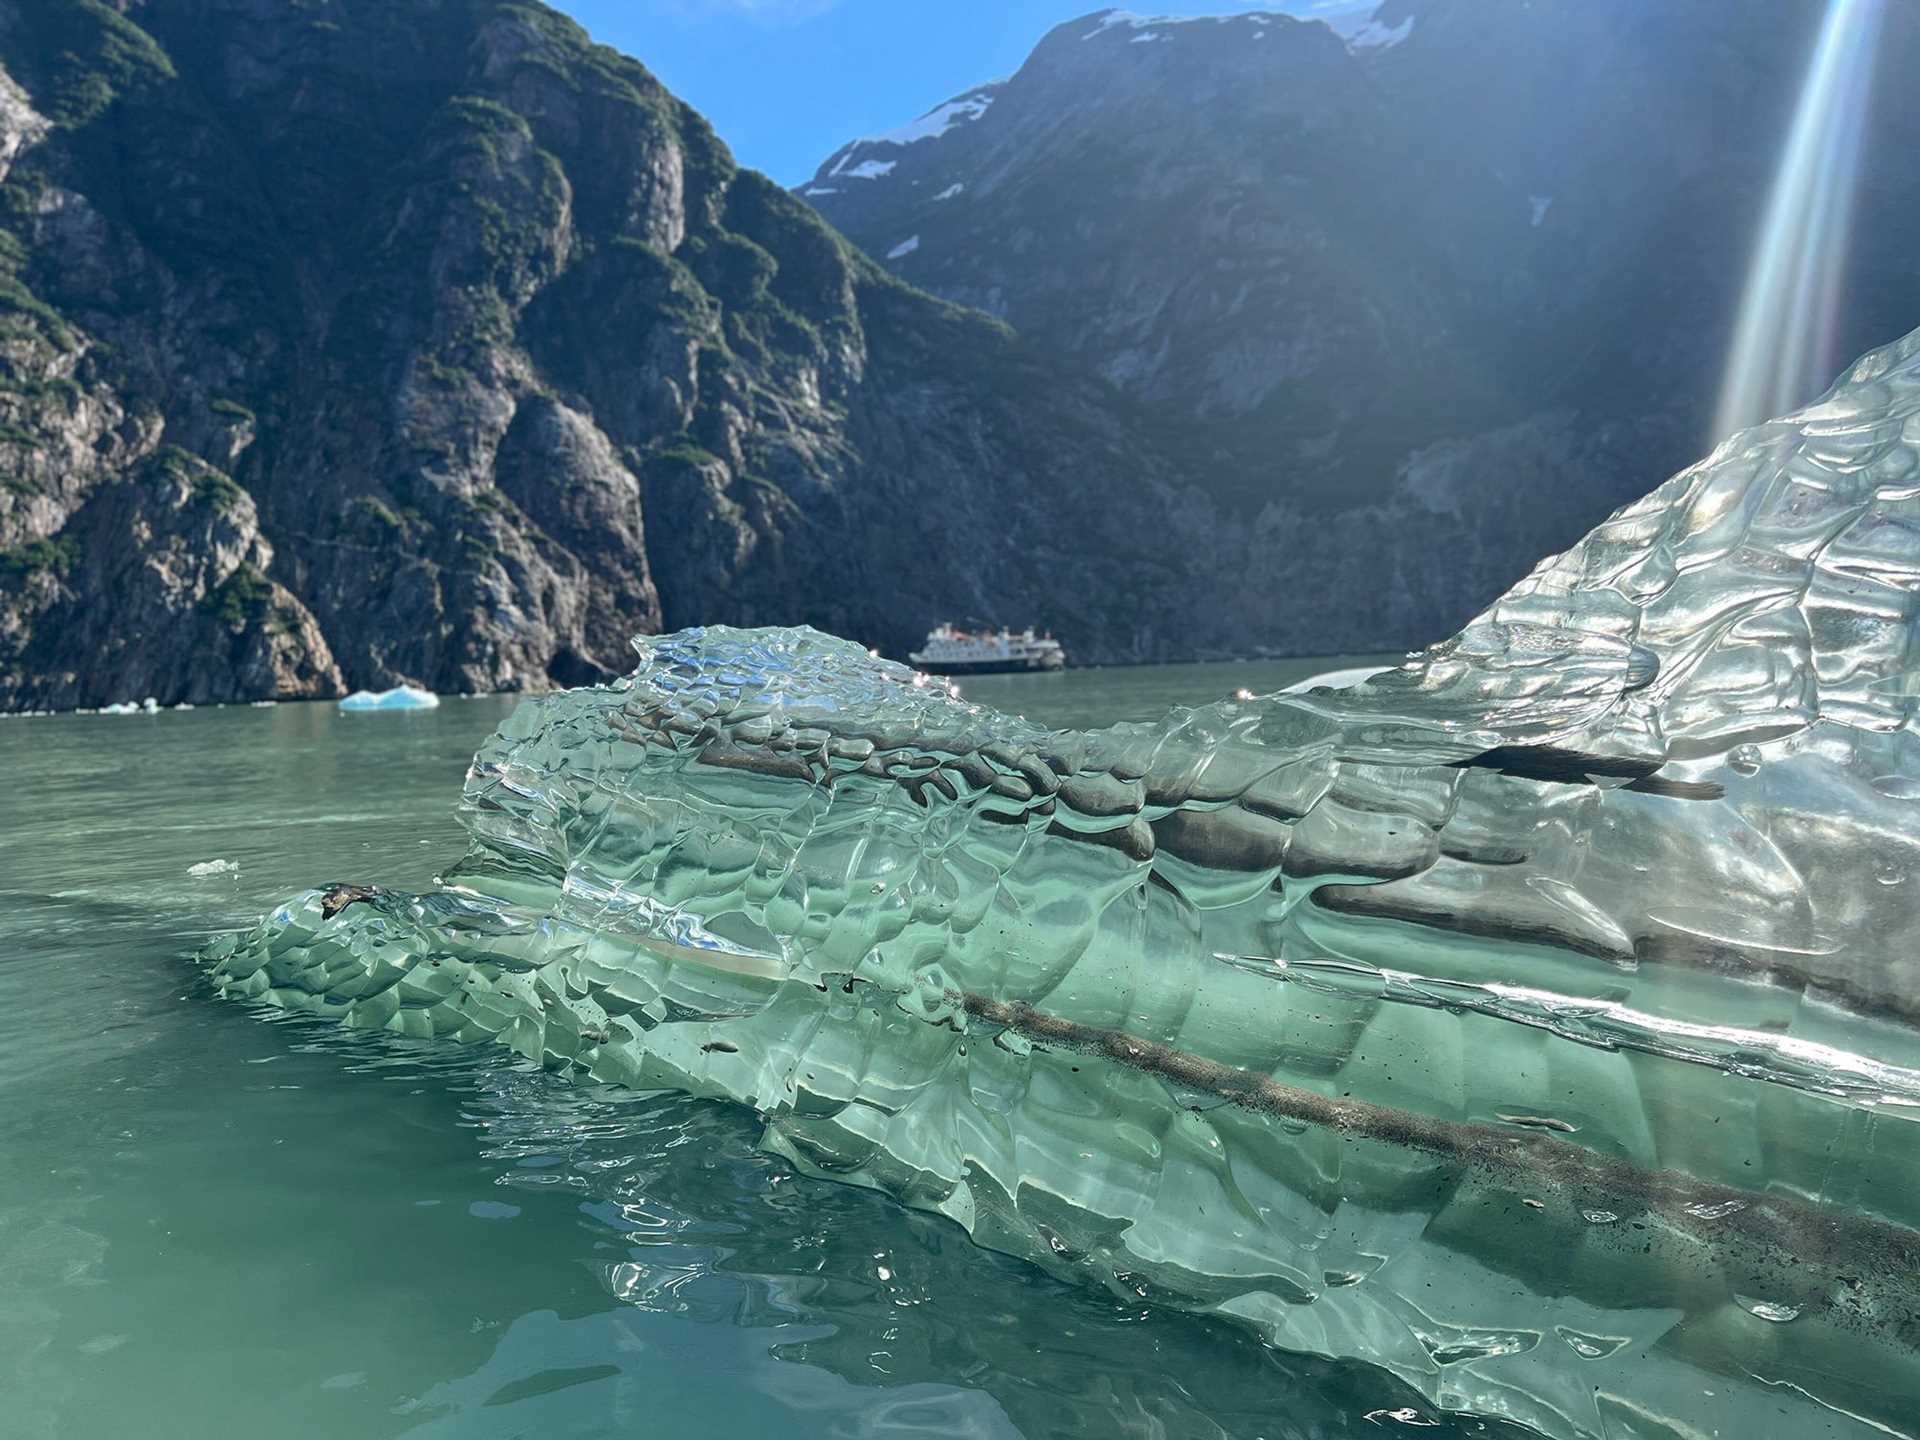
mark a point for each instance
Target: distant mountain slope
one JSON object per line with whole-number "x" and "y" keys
{"x": 1476, "y": 259}
{"x": 349, "y": 342}
{"x": 1177, "y": 205}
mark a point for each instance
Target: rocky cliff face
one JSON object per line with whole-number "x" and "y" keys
{"x": 351, "y": 342}
{"x": 1426, "y": 295}
{"x": 362, "y": 341}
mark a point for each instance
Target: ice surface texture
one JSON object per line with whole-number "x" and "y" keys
{"x": 1536, "y": 1020}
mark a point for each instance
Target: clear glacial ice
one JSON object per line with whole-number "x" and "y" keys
{"x": 1536, "y": 1020}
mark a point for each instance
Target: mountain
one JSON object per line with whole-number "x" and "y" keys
{"x": 1424, "y": 296}
{"x": 352, "y": 342}
{"x": 1202, "y": 211}
{"x": 347, "y": 342}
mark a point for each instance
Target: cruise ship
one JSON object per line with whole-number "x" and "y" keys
{"x": 952, "y": 651}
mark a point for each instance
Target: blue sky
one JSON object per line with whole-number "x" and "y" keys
{"x": 786, "y": 82}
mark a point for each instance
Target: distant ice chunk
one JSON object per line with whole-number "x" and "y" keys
{"x": 905, "y": 248}
{"x": 401, "y": 697}
{"x": 213, "y": 867}
{"x": 148, "y": 706}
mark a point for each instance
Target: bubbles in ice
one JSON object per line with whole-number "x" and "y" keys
{"x": 1719, "y": 1211}
{"x": 1590, "y": 1347}
{"x": 1405, "y": 1415}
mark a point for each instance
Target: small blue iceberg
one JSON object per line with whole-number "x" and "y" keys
{"x": 401, "y": 697}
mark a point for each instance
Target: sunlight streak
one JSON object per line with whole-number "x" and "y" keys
{"x": 1784, "y": 343}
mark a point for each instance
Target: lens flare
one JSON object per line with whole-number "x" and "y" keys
{"x": 1784, "y": 343}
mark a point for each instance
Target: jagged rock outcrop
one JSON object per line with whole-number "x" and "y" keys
{"x": 352, "y": 344}
{"x": 157, "y": 585}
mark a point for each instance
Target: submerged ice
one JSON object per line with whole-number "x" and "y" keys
{"x": 1535, "y": 1020}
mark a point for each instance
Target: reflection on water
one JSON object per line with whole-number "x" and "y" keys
{"x": 217, "y": 1221}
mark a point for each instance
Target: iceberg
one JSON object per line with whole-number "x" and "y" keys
{"x": 401, "y": 697}
{"x": 1535, "y": 1021}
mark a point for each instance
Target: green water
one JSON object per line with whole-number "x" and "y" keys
{"x": 217, "y": 1221}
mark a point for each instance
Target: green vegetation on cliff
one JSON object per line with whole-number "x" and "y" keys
{"x": 39, "y": 557}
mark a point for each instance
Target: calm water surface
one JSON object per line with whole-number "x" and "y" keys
{"x": 219, "y": 1221}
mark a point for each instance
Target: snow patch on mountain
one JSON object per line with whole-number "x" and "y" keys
{"x": 1131, "y": 21}
{"x": 1375, "y": 36}
{"x": 1348, "y": 19}
{"x": 865, "y": 170}
{"x": 905, "y": 248}
{"x": 942, "y": 118}
{"x": 854, "y": 160}
{"x": 1540, "y": 204}
{"x": 948, "y": 193}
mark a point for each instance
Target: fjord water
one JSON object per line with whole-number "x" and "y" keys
{"x": 219, "y": 1220}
